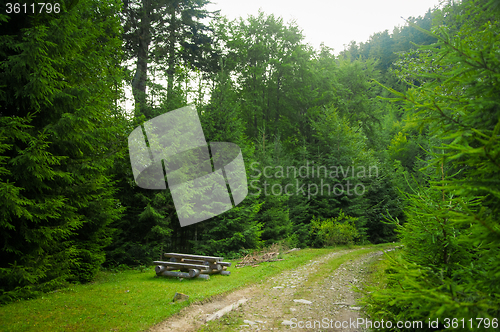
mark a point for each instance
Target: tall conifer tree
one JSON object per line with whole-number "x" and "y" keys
{"x": 59, "y": 134}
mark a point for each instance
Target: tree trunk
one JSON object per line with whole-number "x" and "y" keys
{"x": 277, "y": 120}
{"x": 141, "y": 72}
{"x": 171, "y": 55}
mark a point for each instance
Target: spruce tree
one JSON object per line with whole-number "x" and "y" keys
{"x": 449, "y": 267}
{"x": 60, "y": 131}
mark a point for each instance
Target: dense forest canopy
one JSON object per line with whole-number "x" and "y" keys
{"x": 395, "y": 138}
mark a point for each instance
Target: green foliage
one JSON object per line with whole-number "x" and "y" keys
{"x": 449, "y": 266}
{"x": 355, "y": 96}
{"x": 352, "y": 165}
{"x": 334, "y": 231}
{"x": 384, "y": 46}
{"x": 59, "y": 134}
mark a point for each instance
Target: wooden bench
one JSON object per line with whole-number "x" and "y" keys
{"x": 191, "y": 266}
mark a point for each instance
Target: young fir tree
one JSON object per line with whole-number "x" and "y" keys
{"x": 449, "y": 267}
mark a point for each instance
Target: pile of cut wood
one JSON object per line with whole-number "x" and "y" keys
{"x": 259, "y": 257}
{"x": 270, "y": 254}
{"x": 191, "y": 266}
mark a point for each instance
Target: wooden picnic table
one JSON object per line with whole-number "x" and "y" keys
{"x": 196, "y": 265}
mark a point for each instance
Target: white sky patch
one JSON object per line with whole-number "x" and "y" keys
{"x": 335, "y": 22}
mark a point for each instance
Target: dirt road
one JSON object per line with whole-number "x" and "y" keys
{"x": 317, "y": 296}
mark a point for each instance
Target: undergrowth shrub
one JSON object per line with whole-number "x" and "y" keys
{"x": 334, "y": 231}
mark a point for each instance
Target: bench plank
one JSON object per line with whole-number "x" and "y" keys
{"x": 180, "y": 265}
{"x": 199, "y": 261}
{"x": 184, "y": 275}
{"x": 197, "y": 257}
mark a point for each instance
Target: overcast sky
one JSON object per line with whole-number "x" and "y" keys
{"x": 334, "y": 22}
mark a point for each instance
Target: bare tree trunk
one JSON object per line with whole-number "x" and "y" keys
{"x": 171, "y": 54}
{"x": 277, "y": 120}
{"x": 141, "y": 72}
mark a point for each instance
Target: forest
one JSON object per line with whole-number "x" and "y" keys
{"x": 395, "y": 139}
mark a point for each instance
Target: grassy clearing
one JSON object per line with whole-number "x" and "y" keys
{"x": 131, "y": 300}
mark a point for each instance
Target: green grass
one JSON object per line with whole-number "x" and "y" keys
{"x": 377, "y": 271}
{"x": 228, "y": 323}
{"x": 131, "y": 300}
